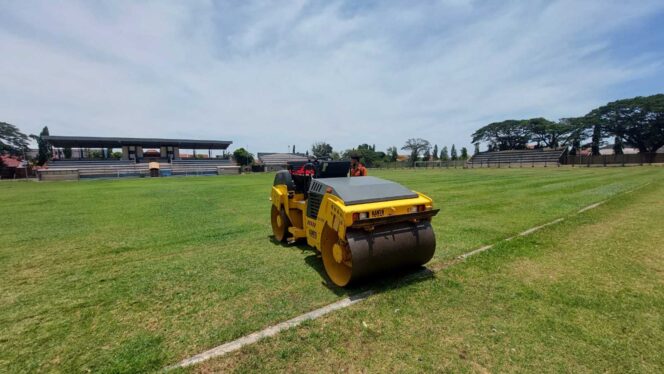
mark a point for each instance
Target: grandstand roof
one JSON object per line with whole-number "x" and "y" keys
{"x": 280, "y": 158}
{"x": 105, "y": 142}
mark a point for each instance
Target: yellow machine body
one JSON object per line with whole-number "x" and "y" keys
{"x": 358, "y": 240}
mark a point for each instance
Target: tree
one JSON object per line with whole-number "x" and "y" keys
{"x": 293, "y": 148}
{"x": 617, "y": 146}
{"x": 321, "y": 150}
{"x": 243, "y": 157}
{"x": 596, "y": 139}
{"x": 335, "y": 155}
{"x": 368, "y": 156}
{"x": 444, "y": 156}
{"x": 453, "y": 153}
{"x": 392, "y": 154}
{"x": 435, "y": 152}
{"x": 426, "y": 156}
{"x": 44, "y": 153}
{"x": 509, "y": 134}
{"x": 579, "y": 131}
{"x": 12, "y": 140}
{"x": 639, "y": 121}
{"x": 477, "y": 149}
{"x": 415, "y": 146}
{"x": 464, "y": 153}
{"x": 546, "y": 133}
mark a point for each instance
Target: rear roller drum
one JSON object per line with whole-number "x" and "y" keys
{"x": 280, "y": 224}
{"x": 385, "y": 249}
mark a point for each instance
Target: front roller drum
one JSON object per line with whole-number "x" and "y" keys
{"x": 387, "y": 248}
{"x": 280, "y": 223}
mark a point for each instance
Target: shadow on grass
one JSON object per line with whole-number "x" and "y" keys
{"x": 378, "y": 283}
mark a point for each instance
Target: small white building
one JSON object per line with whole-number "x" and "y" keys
{"x": 608, "y": 150}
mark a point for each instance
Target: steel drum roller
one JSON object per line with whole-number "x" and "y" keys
{"x": 386, "y": 248}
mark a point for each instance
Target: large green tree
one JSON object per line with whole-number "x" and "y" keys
{"x": 509, "y": 134}
{"x": 243, "y": 157}
{"x": 444, "y": 156}
{"x": 392, "y": 154}
{"x": 367, "y": 154}
{"x": 44, "y": 153}
{"x": 639, "y": 121}
{"x": 578, "y": 132}
{"x": 464, "y": 153}
{"x": 416, "y": 146}
{"x": 546, "y": 133}
{"x": 321, "y": 149}
{"x": 12, "y": 140}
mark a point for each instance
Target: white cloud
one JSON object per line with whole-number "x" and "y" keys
{"x": 267, "y": 75}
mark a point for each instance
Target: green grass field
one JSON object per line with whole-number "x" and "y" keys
{"x": 136, "y": 274}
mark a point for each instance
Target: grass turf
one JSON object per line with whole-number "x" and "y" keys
{"x": 133, "y": 275}
{"x": 585, "y": 295}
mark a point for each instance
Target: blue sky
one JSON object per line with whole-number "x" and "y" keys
{"x": 271, "y": 74}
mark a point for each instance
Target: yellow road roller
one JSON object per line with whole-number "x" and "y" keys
{"x": 362, "y": 226}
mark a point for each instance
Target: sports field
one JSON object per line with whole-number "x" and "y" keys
{"x": 137, "y": 274}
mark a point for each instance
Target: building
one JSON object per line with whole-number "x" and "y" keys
{"x": 131, "y": 148}
{"x": 102, "y": 157}
{"x": 608, "y": 150}
{"x": 278, "y": 161}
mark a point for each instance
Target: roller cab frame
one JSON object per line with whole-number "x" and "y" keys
{"x": 362, "y": 226}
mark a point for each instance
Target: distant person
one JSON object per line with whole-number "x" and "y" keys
{"x": 356, "y": 167}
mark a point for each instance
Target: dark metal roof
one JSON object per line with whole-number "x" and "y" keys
{"x": 104, "y": 142}
{"x": 280, "y": 158}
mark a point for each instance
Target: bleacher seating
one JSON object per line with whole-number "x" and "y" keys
{"x": 197, "y": 166}
{"x": 517, "y": 158}
{"x": 101, "y": 168}
{"x": 119, "y": 168}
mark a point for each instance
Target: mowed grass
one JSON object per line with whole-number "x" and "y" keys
{"x": 136, "y": 274}
{"x": 584, "y": 295}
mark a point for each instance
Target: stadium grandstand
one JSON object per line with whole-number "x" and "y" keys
{"x": 95, "y": 157}
{"x": 525, "y": 157}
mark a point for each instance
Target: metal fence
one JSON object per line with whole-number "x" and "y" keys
{"x": 419, "y": 165}
{"x": 569, "y": 160}
{"x": 606, "y": 160}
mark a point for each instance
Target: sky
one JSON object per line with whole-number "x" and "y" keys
{"x": 268, "y": 75}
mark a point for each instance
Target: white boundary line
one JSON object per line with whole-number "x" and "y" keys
{"x": 252, "y": 338}
{"x": 270, "y": 331}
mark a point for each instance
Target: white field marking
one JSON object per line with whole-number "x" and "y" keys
{"x": 343, "y": 303}
{"x": 474, "y": 252}
{"x": 593, "y": 206}
{"x": 270, "y": 331}
{"x": 530, "y": 231}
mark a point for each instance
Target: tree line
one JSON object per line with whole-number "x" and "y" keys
{"x": 419, "y": 150}
{"x": 637, "y": 122}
